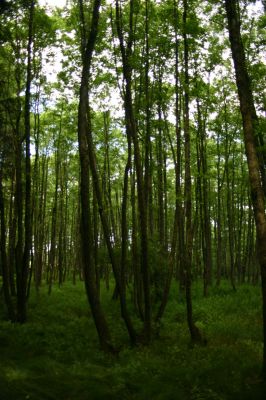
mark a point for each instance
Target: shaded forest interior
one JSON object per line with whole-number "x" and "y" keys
{"x": 132, "y": 173}
{"x": 56, "y": 355}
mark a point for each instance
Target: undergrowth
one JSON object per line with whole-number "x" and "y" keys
{"x": 55, "y": 355}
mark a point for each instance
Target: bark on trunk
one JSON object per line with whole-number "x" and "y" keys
{"x": 253, "y": 158}
{"x": 194, "y": 331}
{"x": 3, "y": 259}
{"x": 126, "y": 53}
{"x": 86, "y": 228}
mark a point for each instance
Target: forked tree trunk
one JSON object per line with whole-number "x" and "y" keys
{"x": 88, "y": 159}
{"x": 86, "y": 228}
{"x": 126, "y": 53}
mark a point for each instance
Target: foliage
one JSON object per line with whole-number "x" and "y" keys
{"x": 167, "y": 199}
{"x": 55, "y": 355}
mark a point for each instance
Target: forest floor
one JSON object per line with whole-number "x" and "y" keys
{"x": 55, "y": 355}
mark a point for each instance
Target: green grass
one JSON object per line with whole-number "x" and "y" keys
{"x": 55, "y": 355}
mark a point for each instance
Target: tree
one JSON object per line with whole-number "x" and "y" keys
{"x": 194, "y": 331}
{"x": 126, "y": 55}
{"x": 3, "y": 260}
{"x": 86, "y": 227}
{"x": 250, "y": 130}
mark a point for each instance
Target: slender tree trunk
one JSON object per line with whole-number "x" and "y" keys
{"x": 177, "y": 242}
{"x": 52, "y": 253}
{"x": 124, "y": 245}
{"x": 230, "y": 217}
{"x": 3, "y": 259}
{"x": 126, "y": 53}
{"x": 138, "y": 298}
{"x": 178, "y": 163}
{"x": 147, "y": 149}
{"x": 40, "y": 224}
{"x": 86, "y": 228}
{"x": 219, "y": 216}
{"x": 160, "y": 191}
{"x": 106, "y": 181}
{"x": 206, "y": 223}
{"x": 12, "y": 238}
{"x": 194, "y": 331}
{"x": 62, "y": 226}
{"x": 23, "y": 252}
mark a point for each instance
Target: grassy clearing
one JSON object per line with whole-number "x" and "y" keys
{"x": 55, "y": 356}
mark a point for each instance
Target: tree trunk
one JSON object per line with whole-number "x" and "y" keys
{"x": 194, "y": 331}
{"x": 250, "y": 131}
{"x": 86, "y": 228}
{"x": 3, "y": 259}
{"x": 219, "y": 215}
{"x": 205, "y": 212}
{"x": 126, "y": 53}
{"x": 23, "y": 252}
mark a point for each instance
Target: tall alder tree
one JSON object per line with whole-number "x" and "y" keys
{"x": 87, "y": 48}
{"x": 188, "y": 223}
{"x": 127, "y": 58}
{"x": 255, "y": 161}
{"x": 88, "y": 162}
